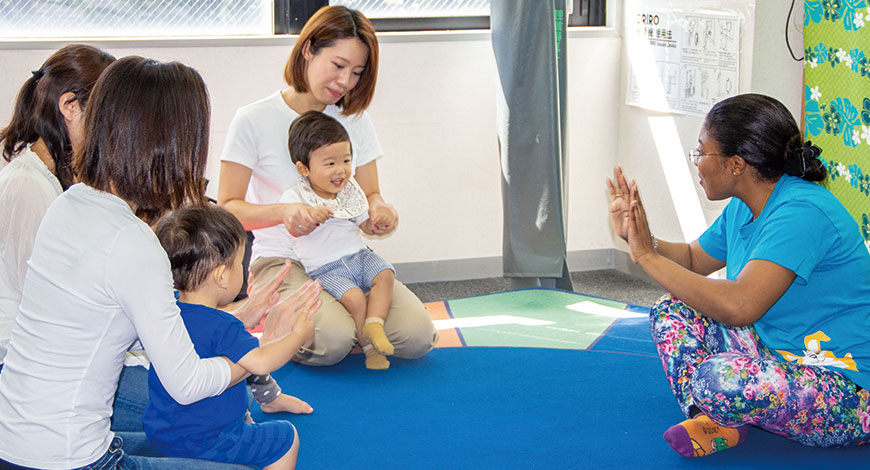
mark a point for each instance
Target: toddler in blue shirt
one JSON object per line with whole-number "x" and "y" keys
{"x": 205, "y": 245}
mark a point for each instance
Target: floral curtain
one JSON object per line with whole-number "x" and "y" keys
{"x": 837, "y": 98}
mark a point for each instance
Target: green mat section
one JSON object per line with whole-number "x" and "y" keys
{"x": 537, "y": 318}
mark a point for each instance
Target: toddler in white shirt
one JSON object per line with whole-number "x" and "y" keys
{"x": 335, "y": 252}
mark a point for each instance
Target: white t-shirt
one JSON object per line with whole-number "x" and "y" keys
{"x": 27, "y": 188}
{"x": 97, "y": 280}
{"x": 257, "y": 139}
{"x": 332, "y": 240}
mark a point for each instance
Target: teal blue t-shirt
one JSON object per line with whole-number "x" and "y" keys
{"x": 823, "y": 318}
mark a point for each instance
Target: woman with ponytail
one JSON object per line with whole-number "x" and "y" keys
{"x": 38, "y": 141}
{"x": 98, "y": 280}
{"x": 783, "y": 342}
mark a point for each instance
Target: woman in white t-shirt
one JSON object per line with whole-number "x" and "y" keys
{"x": 332, "y": 68}
{"x": 98, "y": 280}
{"x": 38, "y": 142}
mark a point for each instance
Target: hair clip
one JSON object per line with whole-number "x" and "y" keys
{"x": 810, "y": 151}
{"x": 802, "y": 156}
{"x": 37, "y": 74}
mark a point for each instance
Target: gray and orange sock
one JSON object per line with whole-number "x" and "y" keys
{"x": 700, "y": 436}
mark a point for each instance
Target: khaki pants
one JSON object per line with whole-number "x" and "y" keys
{"x": 408, "y": 325}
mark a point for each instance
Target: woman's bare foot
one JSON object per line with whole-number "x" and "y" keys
{"x": 287, "y": 404}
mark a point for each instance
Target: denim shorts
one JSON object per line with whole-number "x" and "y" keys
{"x": 352, "y": 271}
{"x": 258, "y": 444}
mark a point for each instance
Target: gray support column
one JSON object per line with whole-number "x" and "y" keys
{"x": 528, "y": 39}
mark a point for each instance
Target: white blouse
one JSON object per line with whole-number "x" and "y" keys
{"x": 27, "y": 188}
{"x": 97, "y": 280}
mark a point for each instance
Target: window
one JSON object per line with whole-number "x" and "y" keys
{"x": 421, "y": 15}
{"x": 112, "y": 18}
{"x": 39, "y": 19}
{"x": 414, "y": 15}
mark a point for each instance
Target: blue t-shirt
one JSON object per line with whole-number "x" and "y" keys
{"x": 824, "y": 316}
{"x": 182, "y": 430}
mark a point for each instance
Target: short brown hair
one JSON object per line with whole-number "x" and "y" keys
{"x": 313, "y": 130}
{"x": 146, "y": 135}
{"x": 326, "y": 26}
{"x": 198, "y": 239}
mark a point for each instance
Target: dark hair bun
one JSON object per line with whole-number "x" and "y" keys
{"x": 802, "y": 160}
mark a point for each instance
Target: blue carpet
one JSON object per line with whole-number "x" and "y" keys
{"x": 627, "y": 335}
{"x": 513, "y": 408}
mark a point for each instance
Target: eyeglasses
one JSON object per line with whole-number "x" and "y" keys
{"x": 696, "y": 154}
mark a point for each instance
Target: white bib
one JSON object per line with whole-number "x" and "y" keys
{"x": 350, "y": 202}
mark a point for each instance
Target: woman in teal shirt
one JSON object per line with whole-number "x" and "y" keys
{"x": 783, "y": 343}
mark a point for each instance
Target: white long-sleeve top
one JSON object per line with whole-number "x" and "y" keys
{"x": 27, "y": 188}
{"x": 97, "y": 280}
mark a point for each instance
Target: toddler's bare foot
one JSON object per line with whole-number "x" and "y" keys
{"x": 287, "y": 404}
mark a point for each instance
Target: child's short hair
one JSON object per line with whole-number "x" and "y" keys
{"x": 313, "y": 130}
{"x": 197, "y": 240}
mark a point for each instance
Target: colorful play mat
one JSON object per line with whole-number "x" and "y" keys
{"x": 534, "y": 378}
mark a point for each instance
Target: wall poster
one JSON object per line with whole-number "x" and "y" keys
{"x": 681, "y": 61}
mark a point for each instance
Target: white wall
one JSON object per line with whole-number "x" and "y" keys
{"x": 765, "y": 67}
{"x": 435, "y": 114}
{"x": 775, "y": 72}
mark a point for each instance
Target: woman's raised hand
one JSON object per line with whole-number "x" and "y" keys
{"x": 301, "y": 220}
{"x": 296, "y": 311}
{"x": 640, "y": 241}
{"x": 304, "y": 324}
{"x": 619, "y": 203}
{"x": 262, "y": 296}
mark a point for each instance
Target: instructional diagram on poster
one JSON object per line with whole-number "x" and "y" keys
{"x": 682, "y": 62}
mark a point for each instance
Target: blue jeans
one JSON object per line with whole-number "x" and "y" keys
{"x": 132, "y": 451}
{"x": 130, "y": 400}
{"x": 126, "y": 453}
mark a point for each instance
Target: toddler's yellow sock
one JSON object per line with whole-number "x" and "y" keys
{"x": 373, "y": 332}
{"x": 374, "y": 359}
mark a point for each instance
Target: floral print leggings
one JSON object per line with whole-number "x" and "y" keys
{"x": 732, "y": 377}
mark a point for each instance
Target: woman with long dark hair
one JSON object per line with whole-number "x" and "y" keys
{"x": 38, "y": 141}
{"x": 98, "y": 279}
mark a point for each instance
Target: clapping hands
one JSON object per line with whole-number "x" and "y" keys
{"x": 628, "y": 217}
{"x": 295, "y": 314}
